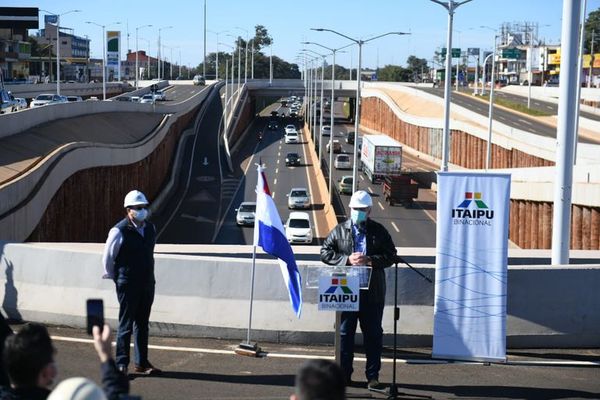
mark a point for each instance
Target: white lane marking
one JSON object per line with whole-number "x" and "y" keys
{"x": 395, "y": 227}
{"x": 278, "y": 161}
{"x": 362, "y": 359}
{"x": 369, "y": 189}
{"x": 275, "y": 181}
{"x": 273, "y": 195}
{"x": 278, "y": 154}
{"x": 550, "y": 107}
{"x": 361, "y": 178}
{"x": 501, "y": 117}
{"x": 276, "y": 170}
{"x": 380, "y": 205}
{"x": 525, "y": 121}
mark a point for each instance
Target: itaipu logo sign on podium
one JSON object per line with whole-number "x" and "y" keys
{"x": 339, "y": 293}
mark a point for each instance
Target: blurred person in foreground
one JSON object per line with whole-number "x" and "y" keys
{"x": 319, "y": 380}
{"x": 360, "y": 241}
{"x": 29, "y": 360}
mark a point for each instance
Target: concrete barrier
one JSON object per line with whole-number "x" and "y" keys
{"x": 203, "y": 291}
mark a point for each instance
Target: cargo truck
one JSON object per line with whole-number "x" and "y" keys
{"x": 381, "y": 156}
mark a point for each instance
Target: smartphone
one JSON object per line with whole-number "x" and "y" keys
{"x": 95, "y": 314}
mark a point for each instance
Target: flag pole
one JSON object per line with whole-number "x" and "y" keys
{"x": 251, "y": 293}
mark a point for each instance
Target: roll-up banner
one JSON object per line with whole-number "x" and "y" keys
{"x": 471, "y": 266}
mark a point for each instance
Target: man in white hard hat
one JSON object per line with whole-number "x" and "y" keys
{"x": 129, "y": 261}
{"x": 360, "y": 241}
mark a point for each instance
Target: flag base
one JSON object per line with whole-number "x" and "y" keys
{"x": 248, "y": 350}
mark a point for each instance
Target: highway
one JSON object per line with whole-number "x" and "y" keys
{"x": 509, "y": 118}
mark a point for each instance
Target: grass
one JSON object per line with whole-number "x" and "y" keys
{"x": 517, "y": 107}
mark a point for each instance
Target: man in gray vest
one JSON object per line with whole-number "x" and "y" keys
{"x": 129, "y": 261}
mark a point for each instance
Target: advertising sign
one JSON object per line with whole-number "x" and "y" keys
{"x": 471, "y": 266}
{"x": 339, "y": 293}
{"x": 113, "y": 46}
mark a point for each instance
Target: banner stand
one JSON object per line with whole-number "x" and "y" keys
{"x": 315, "y": 276}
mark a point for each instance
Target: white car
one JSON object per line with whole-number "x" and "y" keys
{"x": 21, "y": 103}
{"x": 325, "y": 130}
{"x": 74, "y": 99}
{"x": 245, "y": 213}
{"x": 45, "y": 99}
{"x": 292, "y": 137}
{"x": 290, "y": 128}
{"x": 298, "y": 198}
{"x": 147, "y": 99}
{"x": 160, "y": 95}
{"x": 342, "y": 161}
{"x": 298, "y": 228}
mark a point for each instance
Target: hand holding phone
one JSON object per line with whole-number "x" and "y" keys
{"x": 95, "y": 314}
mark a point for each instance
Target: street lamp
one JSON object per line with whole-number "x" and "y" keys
{"x": 321, "y": 105}
{"x": 359, "y": 42}
{"x": 451, "y": 6}
{"x": 246, "y": 56}
{"x": 137, "y": 68}
{"x": 147, "y": 56}
{"x": 160, "y": 73}
{"x": 488, "y": 159}
{"x": 217, "y": 56}
{"x": 103, "y": 54}
{"x": 58, "y": 44}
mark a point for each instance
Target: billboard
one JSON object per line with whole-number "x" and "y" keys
{"x": 113, "y": 47}
{"x": 19, "y": 17}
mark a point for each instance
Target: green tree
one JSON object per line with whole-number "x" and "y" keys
{"x": 592, "y": 24}
{"x": 394, "y": 73}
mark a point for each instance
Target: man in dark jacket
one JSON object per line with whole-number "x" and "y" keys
{"x": 129, "y": 260}
{"x": 361, "y": 241}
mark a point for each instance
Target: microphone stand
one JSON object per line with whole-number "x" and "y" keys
{"x": 393, "y": 393}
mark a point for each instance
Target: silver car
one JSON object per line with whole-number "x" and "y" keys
{"x": 298, "y": 198}
{"x": 245, "y": 213}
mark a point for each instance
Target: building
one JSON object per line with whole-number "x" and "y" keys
{"x": 74, "y": 53}
{"x": 15, "y": 50}
{"x": 147, "y": 65}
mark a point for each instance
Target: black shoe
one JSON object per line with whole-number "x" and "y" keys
{"x": 122, "y": 369}
{"x": 374, "y": 385}
{"x": 147, "y": 369}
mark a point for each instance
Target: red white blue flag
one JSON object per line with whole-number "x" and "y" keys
{"x": 270, "y": 236}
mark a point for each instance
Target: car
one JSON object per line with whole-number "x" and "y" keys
{"x": 342, "y": 161}
{"x": 245, "y": 213}
{"x": 21, "y": 103}
{"x": 147, "y": 99}
{"x": 274, "y": 113}
{"x": 123, "y": 98}
{"x": 290, "y": 128}
{"x": 292, "y": 159}
{"x": 325, "y": 130}
{"x": 345, "y": 184}
{"x": 160, "y": 95}
{"x": 298, "y": 228}
{"x": 350, "y": 137}
{"x": 7, "y": 102}
{"x": 272, "y": 125}
{"x": 199, "y": 80}
{"x": 292, "y": 137}
{"x": 73, "y": 99}
{"x": 298, "y": 198}
{"x": 337, "y": 147}
{"x": 45, "y": 99}
{"x": 135, "y": 99}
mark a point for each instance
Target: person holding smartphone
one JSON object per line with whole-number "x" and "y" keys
{"x": 360, "y": 241}
{"x": 128, "y": 260}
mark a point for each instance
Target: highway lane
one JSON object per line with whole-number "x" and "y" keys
{"x": 508, "y": 118}
{"x": 409, "y": 227}
{"x": 271, "y": 152}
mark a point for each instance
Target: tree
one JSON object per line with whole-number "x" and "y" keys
{"x": 592, "y": 24}
{"x": 394, "y": 73}
{"x": 417, "y": 67}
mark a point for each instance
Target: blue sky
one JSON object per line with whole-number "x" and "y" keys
{"x": 289, "y": 23}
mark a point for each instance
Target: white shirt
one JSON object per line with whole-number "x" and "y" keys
{"x": 112, "y": 247}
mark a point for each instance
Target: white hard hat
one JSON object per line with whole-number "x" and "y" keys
{"x": 360, "y": 199}
{"x": 77, "y": 389}
{"x": 135, "y": 198}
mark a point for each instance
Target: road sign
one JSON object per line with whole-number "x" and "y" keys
{"x": 455, "y": 52}
{"x": 511, "y": 53}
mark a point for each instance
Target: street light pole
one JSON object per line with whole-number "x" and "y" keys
{"x": 246, "y": 53}
{"x": 217, "y": 56}
{"x": 137, "y": 68}
{"x": 161, "y": 68}
{"x": 103, "y": 54}
{"x": 321, "y": 104}
{"x": 58, "y": 44}
{"x": 451, "y": 6}
{"x": 271, "y": 66}
{"x": 358, "y": 101}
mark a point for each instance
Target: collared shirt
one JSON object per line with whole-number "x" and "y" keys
{"x": 112, "y": 247}
{"x": 359, "y": 237}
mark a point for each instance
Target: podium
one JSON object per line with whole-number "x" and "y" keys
{"x": 336, "y": 285}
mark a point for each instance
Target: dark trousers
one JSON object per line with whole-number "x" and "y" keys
{"x": 135, "y": 303}
{"x": 369, "y": 316}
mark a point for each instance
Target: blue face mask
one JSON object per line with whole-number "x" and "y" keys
{"x": 358, "y": 217}
{"x": 140, "y": 215}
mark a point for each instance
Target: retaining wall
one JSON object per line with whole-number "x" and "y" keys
{"x": 203, "y": 291}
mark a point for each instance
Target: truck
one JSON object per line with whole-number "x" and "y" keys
{"x": 400, "y": 189}
{"x": 381, "y": 156}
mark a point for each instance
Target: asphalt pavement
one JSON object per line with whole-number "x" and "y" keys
{"x": 209, "y": 369}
